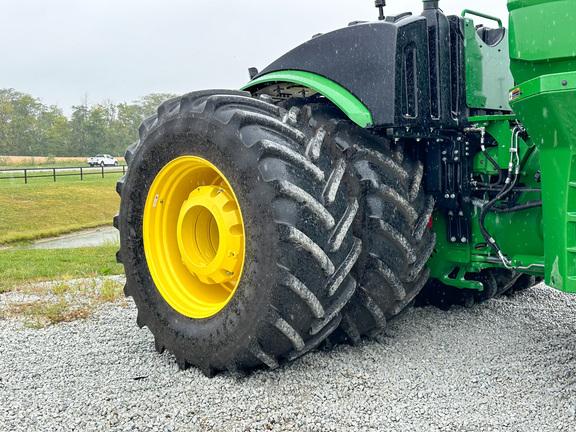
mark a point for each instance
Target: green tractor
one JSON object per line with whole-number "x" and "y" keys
{"x": 416, "y": 158}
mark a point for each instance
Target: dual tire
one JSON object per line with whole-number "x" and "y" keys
{"x": 252, "y": 232}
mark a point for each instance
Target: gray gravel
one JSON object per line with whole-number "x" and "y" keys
{"x": 506, "y": 365}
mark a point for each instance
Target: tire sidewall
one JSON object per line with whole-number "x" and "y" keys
{"x": 229, "y": 329}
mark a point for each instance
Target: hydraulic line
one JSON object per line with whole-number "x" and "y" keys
{"x": 523, "y": 206}
{"x": 516, "y": 189}
{"x": 491, "y": 160}
{"x": 510, "y": 182}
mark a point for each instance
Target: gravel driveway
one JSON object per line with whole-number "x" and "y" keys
{"x": 506, "y": 365}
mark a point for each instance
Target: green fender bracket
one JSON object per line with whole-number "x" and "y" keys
{"x": 341, "y": 97}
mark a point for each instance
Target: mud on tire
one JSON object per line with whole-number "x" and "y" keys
{"x": 302, "y": 175}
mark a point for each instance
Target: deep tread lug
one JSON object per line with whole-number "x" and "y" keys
{"x": 424, "y": 220}
{"x": 421, "y": 261}
{"x": 120, "y": 185}
{"x": 343, "y": 226}
{"x": 333, "y": 183}
{"x": 344, "y": 269}
{"x": 383, "y": 160}
{"x": 140, "y": 321}
{"x": 314, "y": 146}
{"x": 336, "y": 306}
{"x": 393, "y": 281}
{"x": 308, "y": 201}
{"x": 399, "y": 240}
{"x": 301, "y": 240}
{"x": 287, "y": 330}
{"x": 257, "y": 351}
{"x": 183, "y": 363}
{"x": 127, "y": 291}
{"x": 351, "y": 331}
{"x": 316, "y": 340}
{"x": 307, "y": 296}
{"x": 274, "y": 149}
{"x": 158, "y": 346}
{"x": 378, "y": 314}
{"x": 399, "y": 202}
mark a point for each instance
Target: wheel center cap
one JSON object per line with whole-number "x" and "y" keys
{"x": 210, "y": 235}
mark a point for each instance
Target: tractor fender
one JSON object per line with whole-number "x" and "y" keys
{"x": 378, "y": 68}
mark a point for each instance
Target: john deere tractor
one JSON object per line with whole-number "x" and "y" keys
{"x": 413, "y": 154}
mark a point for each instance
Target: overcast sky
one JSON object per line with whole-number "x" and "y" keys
{"x": 120, "y": 50}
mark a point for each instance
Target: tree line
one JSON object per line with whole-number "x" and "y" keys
{"x": 30, "y": 128}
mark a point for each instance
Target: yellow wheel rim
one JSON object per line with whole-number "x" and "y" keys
{"x": 193, "y": 237}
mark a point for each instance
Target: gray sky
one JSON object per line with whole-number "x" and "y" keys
{"x": 119, "y": 50}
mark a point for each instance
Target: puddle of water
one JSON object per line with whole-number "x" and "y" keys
{"x": 88, "y": 238}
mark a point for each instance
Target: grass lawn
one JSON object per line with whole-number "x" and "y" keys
{"x": 77, "y": 292}
{"x": 43, "y": 208}
{"x": 79, "y": 288}
{"x": 24, "y": 266}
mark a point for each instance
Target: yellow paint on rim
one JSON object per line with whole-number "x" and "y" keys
{"x": 193, "y": 236}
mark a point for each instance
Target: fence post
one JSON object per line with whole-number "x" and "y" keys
{"x": 25, "y": 176}
{"x": 102, "y": 171}
{"x": 54, "y": 173}
{"x": 81, "y": 176}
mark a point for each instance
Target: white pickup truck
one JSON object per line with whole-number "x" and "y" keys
{"x": 102, "y": 159}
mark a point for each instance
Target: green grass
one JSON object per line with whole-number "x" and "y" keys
{"x": 40, "y": 305}
{"x": 75, "y": 283}
{"x": 43, "y": 208}
{"x": 19, "y": 267}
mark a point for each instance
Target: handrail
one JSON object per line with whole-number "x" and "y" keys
{"x": 482, "y": 15}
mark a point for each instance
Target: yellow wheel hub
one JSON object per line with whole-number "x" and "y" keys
{"x": 193, "y": 237}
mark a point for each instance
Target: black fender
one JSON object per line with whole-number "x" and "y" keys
{"x": 385, "y": 66}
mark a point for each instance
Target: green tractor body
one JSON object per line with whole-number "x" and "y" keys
{"x": 544, "y": 65}
{"x": 415, "y": 158}
{"x": 445, "y": 92}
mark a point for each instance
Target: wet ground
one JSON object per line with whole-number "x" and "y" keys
{"x": 91, "y": 237}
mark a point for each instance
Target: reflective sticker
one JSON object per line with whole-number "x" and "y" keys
{"x": 514, "y": 94}
{"x": 155, "y": 201}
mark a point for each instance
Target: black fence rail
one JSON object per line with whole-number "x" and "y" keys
{"x": 30, "y": 173}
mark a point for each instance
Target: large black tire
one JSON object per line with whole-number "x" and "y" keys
{"x": 494, "y": 281}
{"x": 394, "y": 213}
{"x": 396, "y": 238}
{"x": 295, "y": 190}
{"x": 301, "y": 176}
